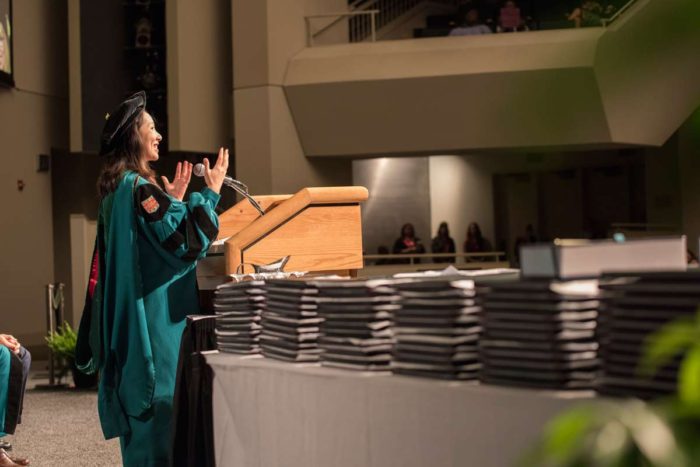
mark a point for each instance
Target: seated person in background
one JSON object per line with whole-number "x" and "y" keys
{"x": 443, "y": 243}
{"x": 509, "y": 19}
{"x": 589, "y": 14}
{"x": 476, "y": 243}
{"x": 471, "y": 26}
{"x": 15, "y": 361}
{"x": 408, "y": 243}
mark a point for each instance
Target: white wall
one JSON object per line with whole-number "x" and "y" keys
{"x": 399, "y": 192}
{"x": 461, "y": 191}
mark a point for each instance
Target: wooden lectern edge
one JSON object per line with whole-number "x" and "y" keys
{"x": 335, "y": 194}
{"x": 287, "y": 209}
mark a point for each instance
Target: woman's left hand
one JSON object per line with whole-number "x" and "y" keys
{"x": 183, "y": 174}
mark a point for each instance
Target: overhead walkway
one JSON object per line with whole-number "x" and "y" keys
{"x": 631, "y": 83}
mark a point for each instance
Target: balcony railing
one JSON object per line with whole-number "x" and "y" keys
{"x": 366, "y": 17}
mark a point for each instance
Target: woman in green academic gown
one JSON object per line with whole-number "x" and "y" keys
{"x": 143, "y": 283}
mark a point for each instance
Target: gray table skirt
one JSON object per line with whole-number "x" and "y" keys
{"x": 273, "y": 414}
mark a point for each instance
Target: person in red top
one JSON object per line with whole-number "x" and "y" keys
{"x": 408, "y": 243}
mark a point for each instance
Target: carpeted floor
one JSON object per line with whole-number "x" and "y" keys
{"x": 61, "y": 428}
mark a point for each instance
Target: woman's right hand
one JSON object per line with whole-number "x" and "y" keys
{"x": 214, "y": 176}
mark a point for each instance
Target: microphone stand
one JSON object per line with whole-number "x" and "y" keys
{"x": 243, "y": 191}
{"x": 232, "y": 183}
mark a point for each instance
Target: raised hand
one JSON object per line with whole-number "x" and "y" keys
{"x": 183, "y": 174}
{"x": 214, "y": 176}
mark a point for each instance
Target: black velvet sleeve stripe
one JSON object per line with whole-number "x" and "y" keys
{"x": 193, "y": 241}
{"x": 176, "y": 239}
{"x": 205, "y": 223}
{"x": 151, "y": 203}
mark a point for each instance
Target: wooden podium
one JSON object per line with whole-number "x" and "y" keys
{"x": 319, "y": 228}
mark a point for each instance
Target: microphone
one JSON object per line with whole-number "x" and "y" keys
{"x": 239, "y": 187}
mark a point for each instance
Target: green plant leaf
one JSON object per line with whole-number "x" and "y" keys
{"x": 566, "y": 431}
{"x": 564, "y": 438}
{"x": 63, "y": 341}
{"x": 661, "y": 346}
{"x": 689, "y": 378}
{"x": 652, "y": 434}
{"x": 612, "y": 444}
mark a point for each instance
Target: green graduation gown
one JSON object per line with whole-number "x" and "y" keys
{"x": 147, "y": 244}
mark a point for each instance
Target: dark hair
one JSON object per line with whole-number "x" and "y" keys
{"x": 407, "y": 226}
{"x": 126, "y": 156}
{"x": 476, "y": 237}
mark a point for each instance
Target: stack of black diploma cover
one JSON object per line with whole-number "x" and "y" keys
{"x": 290, "y": 321}
{"x": 494, "y": 327}
{"x": 356, "y": 328}
{"x": 639, "y": 305}
{"x": 541, "y": 333}
{"x": 238, "y": 306}
{"x": 437, "y": 329}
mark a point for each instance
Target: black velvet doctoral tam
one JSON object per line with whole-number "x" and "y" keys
{"x": 119, "y": 120}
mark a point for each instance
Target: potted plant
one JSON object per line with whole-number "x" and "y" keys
{"x": 62, "y": 343}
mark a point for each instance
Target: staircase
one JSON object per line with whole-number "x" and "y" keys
{"x": 387, "y": 12}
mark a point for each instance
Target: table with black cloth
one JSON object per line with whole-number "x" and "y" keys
{"x": 272, "y": 413}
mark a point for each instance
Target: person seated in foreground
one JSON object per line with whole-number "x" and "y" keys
{"x": 15, "y": 361}
{"x": 472, "y": 25}
{"x": 408, "y": 243}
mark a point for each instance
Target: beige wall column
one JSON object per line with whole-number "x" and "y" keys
{"x": 74, "y": 78}
{"x": 269, "y": 155}
{"x": 199, "y": 74}
{"x": 33, "y": 120}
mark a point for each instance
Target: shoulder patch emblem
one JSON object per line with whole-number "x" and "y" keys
{"x": 150, "y": 205}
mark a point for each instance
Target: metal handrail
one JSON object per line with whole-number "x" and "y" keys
{"x": 372, "y": 13}
{"x": 352, "y": 7}
{"x": 618, "y": 13}
{"x": 386, "y": 11}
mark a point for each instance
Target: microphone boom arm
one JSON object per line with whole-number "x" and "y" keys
{"x": 244, "y": 193}
{"x": 239, "y": 187}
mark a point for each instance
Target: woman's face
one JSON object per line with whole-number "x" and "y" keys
{"x": 408, "y": 231}
{"x": 150, "y": 138}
